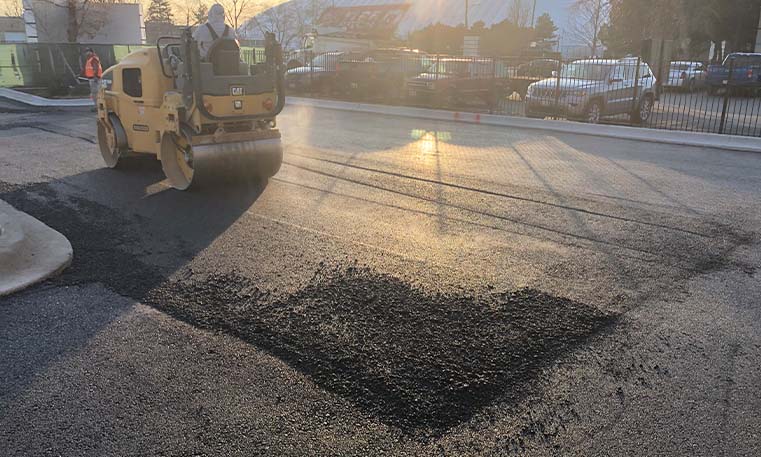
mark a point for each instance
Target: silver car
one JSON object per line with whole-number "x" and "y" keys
{"x": 684, "y": 75}
{"x": 594, "y": 88}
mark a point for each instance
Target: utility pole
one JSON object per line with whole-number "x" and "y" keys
{"x": 533, "y": 14}
{"x": 466, "y": 14}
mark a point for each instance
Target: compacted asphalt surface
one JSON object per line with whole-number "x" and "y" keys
{"x": 401, "y": 287}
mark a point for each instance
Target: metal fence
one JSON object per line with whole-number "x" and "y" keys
{"x": 52, "y": 68}
{"x": 665, "y": 93}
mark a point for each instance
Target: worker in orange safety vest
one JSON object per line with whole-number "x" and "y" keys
{"x": 92, "y": 71}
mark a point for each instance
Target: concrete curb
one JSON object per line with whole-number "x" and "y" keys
{"x": 674, "y": 137}
{"x": 42, "y": 102}
{"x": 30, "y": 251}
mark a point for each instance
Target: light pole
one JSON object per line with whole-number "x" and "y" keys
{"x": 533, "y": 14}
{"x": 466, "y": 14}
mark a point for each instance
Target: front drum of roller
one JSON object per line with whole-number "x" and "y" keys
{"x": 187, "y": 166}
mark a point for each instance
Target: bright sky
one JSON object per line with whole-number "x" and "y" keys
{"x": 180, "y": 7}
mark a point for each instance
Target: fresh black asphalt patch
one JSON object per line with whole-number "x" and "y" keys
{"x": 419, "y": 360}
{"x": 422, "y": 362}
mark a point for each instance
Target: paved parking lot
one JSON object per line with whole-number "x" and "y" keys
{"x": 402, "y": 286}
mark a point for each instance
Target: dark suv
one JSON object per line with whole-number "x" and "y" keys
{"x": 454, "y": 80}
{"x": 379, "y": 73}
{"x": 317, "y": 76}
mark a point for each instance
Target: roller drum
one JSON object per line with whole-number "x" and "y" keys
{"x": 185, "y": 165}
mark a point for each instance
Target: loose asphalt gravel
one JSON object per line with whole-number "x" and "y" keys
{"x": 401, "y": 287}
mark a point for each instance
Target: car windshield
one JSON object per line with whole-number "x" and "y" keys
{"x": 590, "y": 71}
{"x": 744, "y": 60}
{"x": 465, "y": 68}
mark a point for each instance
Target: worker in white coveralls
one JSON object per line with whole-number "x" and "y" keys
{"x": 214, "y": 29}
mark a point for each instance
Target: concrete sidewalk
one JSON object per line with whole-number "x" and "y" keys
{"x": 675, "y": 137}
{"x": 42, "y": 102}
{"x": 30, "y": 251}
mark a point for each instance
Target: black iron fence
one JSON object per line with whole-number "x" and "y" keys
{"x": 677, "y": 95}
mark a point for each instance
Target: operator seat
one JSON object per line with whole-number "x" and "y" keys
{"x": 224, "y": 55}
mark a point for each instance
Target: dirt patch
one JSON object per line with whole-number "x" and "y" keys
{"x": 422, "y": 362}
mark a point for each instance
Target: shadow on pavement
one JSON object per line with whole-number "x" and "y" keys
{"x": 109, "y": 245}
{"x": 419, "y": 361}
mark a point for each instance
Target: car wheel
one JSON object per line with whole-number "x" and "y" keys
{"x": 593, "y": 112}
{"x": 645, "y": 110}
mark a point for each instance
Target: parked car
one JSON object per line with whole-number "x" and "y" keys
{"x": 595, "y": 88}
{"x": 319, "y": 76}
{"x": 687, "y": 76}
{"x": 746, "y": 73}
{"x": 531, "y": 72}
{"x": 454, "y": 80}
{"x": 541, "y": 68}
{"x": 379, "y": 73}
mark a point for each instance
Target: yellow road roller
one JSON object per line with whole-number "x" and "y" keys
{"x": 202, "y": 118}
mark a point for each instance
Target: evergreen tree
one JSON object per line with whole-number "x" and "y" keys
{"x": 200, "y": 14}
{"x": 545, "y": 28}
{"x": 689, "y": 23}
{"x": 160, "y": 11}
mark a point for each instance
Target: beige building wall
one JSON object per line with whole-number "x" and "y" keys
{"x": 115, "y": 23}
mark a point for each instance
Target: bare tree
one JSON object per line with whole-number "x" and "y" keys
{"x": 519, "y": 13}
{"x": 235, "y": 10}
{"x": 289, "y": 21}
{"x": 588, "y": 17}
{"x": 83, "y": 18}
{"x": 191, "y": 11}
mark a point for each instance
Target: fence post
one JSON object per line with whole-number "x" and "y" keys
{"x": 557, "y": 89}
{"x": 435, "y": 98}
{"x": 661, "y": 62}
{"x": 309, "y": 56}
{"x": 493, "y": 85}
{"x": 723, "y": 122}
{"x": 636, "y": 88}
